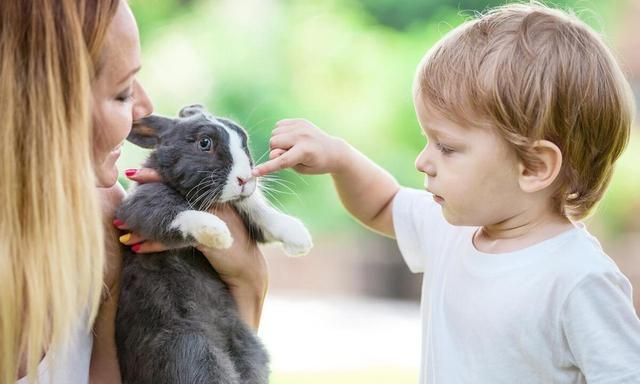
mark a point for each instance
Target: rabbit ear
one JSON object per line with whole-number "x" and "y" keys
{"x": 191, "y": 110}
{"x": 148, "y": 131}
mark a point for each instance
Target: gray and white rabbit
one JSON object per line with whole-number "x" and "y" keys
{"x": 176, "y": 320}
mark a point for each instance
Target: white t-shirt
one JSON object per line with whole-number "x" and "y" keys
{"x": 68, "y": 364}
{"x": 559, "y": 311}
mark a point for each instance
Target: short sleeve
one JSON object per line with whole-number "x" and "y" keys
{"x": 415, "y": 214}
{"x": 602, "y": 329}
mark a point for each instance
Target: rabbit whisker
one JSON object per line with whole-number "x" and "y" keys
{"x": 273, "y": 177}
{"x": 282, "y": 183}
{"x": 299, "y": 177}
{"x": 205, "y": 197}
{"x": 262, "y": 156}
{"x": 199, "y": 183}
{"x": 289, "y": 191}
{"x": 272, "y": 196}
{"x": 200, "y": 196}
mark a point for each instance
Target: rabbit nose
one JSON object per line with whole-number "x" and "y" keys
{"x": 242, "y": 181}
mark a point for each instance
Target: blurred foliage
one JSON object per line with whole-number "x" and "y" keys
{"x": 401, "y": 15}
{"x": 346, "y": 65}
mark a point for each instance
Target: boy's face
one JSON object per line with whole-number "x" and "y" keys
{"x": 472, "y": 172}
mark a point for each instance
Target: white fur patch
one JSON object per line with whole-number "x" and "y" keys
{"x": 205, "y": 227}
{"x": 295, "y": 238}
{"x": 277, "y": 226}
{"x": 241, "y": 168}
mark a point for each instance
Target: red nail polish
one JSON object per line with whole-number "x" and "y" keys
{"x": 130, "y": 172}
{"x": 118, "y": 222}
{"x": 135, "y": 248}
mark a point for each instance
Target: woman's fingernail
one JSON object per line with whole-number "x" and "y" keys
{"x": 125, "y": 238}
{"x": 118, "y": 222}
{"x": 130, "y": 172}
{"x": 136, "y": 248}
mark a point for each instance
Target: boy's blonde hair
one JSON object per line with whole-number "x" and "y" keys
{"x": 535, "y": 73}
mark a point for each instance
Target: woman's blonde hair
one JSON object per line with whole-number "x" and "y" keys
{"x": 51, "y": 233}
{"x": 532, "y": 73}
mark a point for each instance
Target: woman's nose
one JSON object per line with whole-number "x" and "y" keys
{"x": 424, "y": 163}
{"x": 142, "y": 106}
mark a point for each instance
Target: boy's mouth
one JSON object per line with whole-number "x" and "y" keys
{"x": 438, "y": 199}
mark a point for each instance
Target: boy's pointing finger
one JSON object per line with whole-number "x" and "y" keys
{"x": 264, "y": 168}
{"x": 267, "y": 167}
{"x": 286, "y": 159}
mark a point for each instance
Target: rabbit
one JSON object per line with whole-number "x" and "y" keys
{"x": 176, "y": 321}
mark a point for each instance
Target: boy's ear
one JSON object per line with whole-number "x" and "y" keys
{"x": 147, "y": 132}
{"x": 544, "y": 170}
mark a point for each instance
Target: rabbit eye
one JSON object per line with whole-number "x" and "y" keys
{"x": 205, "y": 144}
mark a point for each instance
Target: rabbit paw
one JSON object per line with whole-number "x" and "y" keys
{"x": 206, "y": 228}
{"x": 219, "y": 238}
{"x": 295, "y": 238}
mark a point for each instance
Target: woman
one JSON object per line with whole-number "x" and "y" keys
{"x": 68, "y": 97}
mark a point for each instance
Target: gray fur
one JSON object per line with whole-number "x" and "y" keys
{"x": 176, "y": 320}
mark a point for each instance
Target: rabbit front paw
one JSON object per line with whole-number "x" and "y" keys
{"x": 219, "y": 238}
{"x": 295, "y": 238}
{"x": 205, "y": 228}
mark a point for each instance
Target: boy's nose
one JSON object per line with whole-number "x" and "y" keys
{"x": 424, "y": 165}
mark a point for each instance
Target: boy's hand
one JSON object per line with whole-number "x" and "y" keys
{"x": 298, "y": 144}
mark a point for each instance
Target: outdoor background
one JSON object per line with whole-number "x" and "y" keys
{"x": 349, "y": 311}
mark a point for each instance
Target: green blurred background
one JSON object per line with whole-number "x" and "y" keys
{"x": 347, "y": 66}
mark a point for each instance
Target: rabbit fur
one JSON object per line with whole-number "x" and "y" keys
{"x": 176, "y": 320}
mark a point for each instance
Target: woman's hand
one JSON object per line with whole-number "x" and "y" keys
{"x": 242, "y": 267}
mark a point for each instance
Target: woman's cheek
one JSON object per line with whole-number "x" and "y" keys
{"x": 106, "y": 171}
{"x": 119, "y": 124}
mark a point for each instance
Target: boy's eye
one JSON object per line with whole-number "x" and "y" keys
{"x": 445, "y": 150}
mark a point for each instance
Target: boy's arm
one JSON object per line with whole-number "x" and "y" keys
{"x": 365, "y": 189}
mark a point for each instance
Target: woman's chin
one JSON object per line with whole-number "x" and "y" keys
{"x": 107, "y": 171}
{"x": 107, "y": 177}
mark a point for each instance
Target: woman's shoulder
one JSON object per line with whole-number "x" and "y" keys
{"x": 68, "y": 363}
